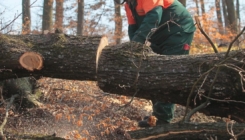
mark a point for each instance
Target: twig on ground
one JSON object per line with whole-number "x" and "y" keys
{"x": 193, "y": 111}
{"x": 127, "y": 104}
{"x": 230, "y": 130}
{"x": 7, "y": 114}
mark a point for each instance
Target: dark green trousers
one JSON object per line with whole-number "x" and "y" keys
{"x": 177, "y": 44}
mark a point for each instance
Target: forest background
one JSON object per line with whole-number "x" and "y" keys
{"x": 221, "y": 20}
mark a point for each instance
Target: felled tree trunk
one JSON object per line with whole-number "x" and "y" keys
{"x": 56, "y": 55}
{"x": 130, "y": 68}
{"x": 68, "y": 57}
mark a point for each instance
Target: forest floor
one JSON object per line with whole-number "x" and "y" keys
{"x": 79, "y": 110}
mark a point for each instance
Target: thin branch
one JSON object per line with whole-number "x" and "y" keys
{"x": 204, "y": 33}
{"x": 127, "y": 104}
{"x": 235, "y": 101}
{"x": 192, "y": 91}
{"x": 10, "y": 22}
{"x": 229, "y": 48}
{"x": 15, "y": 18}
{"x": 98, "y": 21}
{"x": 193, "y": 111}
{"x": 198, "y": 80}
{"x": 7, "y": 114}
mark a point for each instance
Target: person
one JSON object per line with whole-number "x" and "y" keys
{"x": 172, "y": 29}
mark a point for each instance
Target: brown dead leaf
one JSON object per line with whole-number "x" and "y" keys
{"x": 79, "y": 123}
{"x": 152, "y": 121}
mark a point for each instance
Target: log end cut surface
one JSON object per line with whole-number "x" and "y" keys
{"x": 103, "y": 43}
{"x": 31, "y": 61}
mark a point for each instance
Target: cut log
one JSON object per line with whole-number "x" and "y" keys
{"x": 130, "y": 68}
{"x": 31, "y": 61}
{"x": 123, "y": 70}
{"x": 67, "y": 57}
{"x": 189, "y": 131}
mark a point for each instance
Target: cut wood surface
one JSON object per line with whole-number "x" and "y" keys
{"x": 31, "y": 61}
{"x": 130, "y": 68}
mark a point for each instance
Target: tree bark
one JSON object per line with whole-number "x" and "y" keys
{"x": 118, "y": 22}
{"x": 165, "y": 78}
{"x": 232, "y": 15}
{"x": 238, "y": 15}
{"x": 47, "y": 21}
{"x": 203, "y": 10}
{"x": 26, "y": 17}
{"x": 80, "y": 17}
{"x": 219, "y": 16}
{"x": 197, "y": 7}
{"x": 59, "y": 10}
{"x": 187, "y": 131}
{"x": 225, "y": 15}
{"x": 130, "y": 68}
{"x": 67, "y": 57}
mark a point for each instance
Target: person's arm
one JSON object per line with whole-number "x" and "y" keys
{"x": 151, "y": 19}
{"x": 132, "y": 27}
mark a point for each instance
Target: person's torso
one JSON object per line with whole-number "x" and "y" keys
{"x": 173, "y": 11}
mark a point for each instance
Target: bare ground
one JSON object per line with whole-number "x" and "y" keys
{"x": 79, "y": 110}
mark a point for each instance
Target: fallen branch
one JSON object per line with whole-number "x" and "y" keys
{"x": 188, "y": 131}
{"x": 7, "y": 114}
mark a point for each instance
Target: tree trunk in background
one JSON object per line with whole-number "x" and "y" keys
{"x": 47, "y": 22}
{"x": 118, "y": 22}
{"x": 80, "y": 17}
{"x": 238, "y": 15}
{"x": 26, "y": 17}
{"x": 197, "y": 7}
{"x": 232, "y": 18}
{"x": 219, "y": 16}
{"x": 203, "y": 10}
{"x": 183, "y": 2}
{"x": 59, "y": 14}
{"x": 225, "y": 15}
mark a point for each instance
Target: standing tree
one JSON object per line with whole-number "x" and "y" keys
{"x": 219, "y": 16}
{"x": 197, "y": 7}
{"x": 225, "y": 13}
{"x": 183, "y": 2}
{"x": 118, "y": 22}
{"x": 203, "y": 10}
{"x": 59, "y": 14}
{"x": 47, "y": 15}
{"x": 231, "y": 15}
{"x": 80, "y": 17}
{"x": 26, "y": 17}
{"x": 238, "y": 14}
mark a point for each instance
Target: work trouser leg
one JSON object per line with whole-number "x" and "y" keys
{"x": 176, "y": 44}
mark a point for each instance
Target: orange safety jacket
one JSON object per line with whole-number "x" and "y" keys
{"x": 144, "y": 6}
